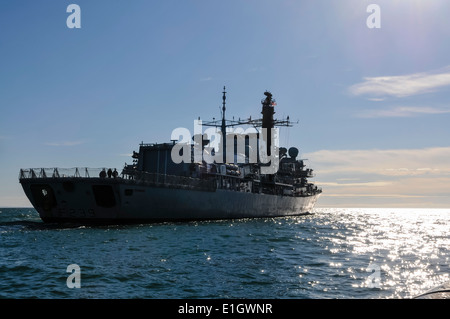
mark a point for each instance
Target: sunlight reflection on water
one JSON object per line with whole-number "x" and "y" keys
{"x": 409, "y": 245}
{"x": 334, "y": 253}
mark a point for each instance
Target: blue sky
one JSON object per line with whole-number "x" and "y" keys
{"x": 372, "y": 104}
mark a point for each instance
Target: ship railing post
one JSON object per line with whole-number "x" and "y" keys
{"x": 86, "y": 172}
{"x": 55, "y": 172}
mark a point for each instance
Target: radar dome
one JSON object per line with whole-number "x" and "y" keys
{"x": 293, "y": 152}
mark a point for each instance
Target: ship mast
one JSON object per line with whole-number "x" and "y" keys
{"x": 267, "y": 121}
{"x": 223, "y": 128}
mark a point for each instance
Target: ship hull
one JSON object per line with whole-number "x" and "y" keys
{"x": 97, "y": 200}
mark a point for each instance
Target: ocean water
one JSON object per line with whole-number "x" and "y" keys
{"x": 333, "y": 253}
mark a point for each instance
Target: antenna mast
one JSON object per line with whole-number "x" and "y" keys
{"x": 223, "y": 128}
{"x": 267, "y": 121}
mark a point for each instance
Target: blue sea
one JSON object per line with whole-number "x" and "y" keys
{"x": 331, "y": 254}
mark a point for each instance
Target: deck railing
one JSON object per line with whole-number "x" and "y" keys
{"x": 126, "y": 175}
{"x": 61, "y": 172}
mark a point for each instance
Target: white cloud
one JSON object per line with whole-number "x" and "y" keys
{"x": 402, "y": 85}
{"x": 395, "y": 177}
{"x": 393, "y": 162}
{"x": 402, "y": 111}
{"x": 361, "y": 184}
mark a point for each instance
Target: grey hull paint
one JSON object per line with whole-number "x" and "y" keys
{"x": 156, "y": 204}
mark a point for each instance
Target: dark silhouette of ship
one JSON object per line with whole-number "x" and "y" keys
{"x": 157, "y": 187}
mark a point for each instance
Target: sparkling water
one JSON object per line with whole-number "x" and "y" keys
{"x": 333, "y": 253}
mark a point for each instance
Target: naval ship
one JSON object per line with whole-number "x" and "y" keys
{"x": 159, "y": 187}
